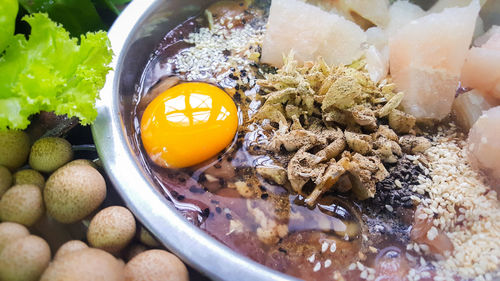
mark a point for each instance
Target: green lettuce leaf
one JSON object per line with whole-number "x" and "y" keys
{"x": 8, "y": 15}
{"x": 51, "y": 72}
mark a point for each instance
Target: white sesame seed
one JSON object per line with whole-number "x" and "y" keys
{"x": 389, "y": 208}
{"x": 398, "y": 183}
{"x": 206, "y": 58}
{"x": 333, "y": 247}
{"x": 473, "y": 228}
{"x": 324, "y": 247}
{"x": 424, "y": 248}
{"x": 422, "y": 216}
{"x": 311, "y": 258}
{"x": 317, "y": 267}
{"x": 425, "y": 274}
{"x": 328, "y": 263}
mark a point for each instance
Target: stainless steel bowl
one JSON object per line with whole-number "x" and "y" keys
{"x": 133, "y": 37}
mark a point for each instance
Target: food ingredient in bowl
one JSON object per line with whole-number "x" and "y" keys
{"x": 377, "y": 54}
{"x": 459, "y": 198}
{"x": 22, "y": 204}
{"x": 427, "y": 56}
{"x": 72, "y": 192}
{"x": 349, "y": 106}
{"x": 24, "y": 259}
{"x": 188, "y": 124}
{"x": 312, "y": 33}
{"x": 85, "y": 265}
{"x": 484, "y": 142}
{"x": 325, "y": 152}
{"x": 10, "y": 231}
{"x": 492, "y": 33}
{"x": 469, "y": 106}
{"x": 5, "y": 179}
{"x": 111, "y": 229}
{"x": 14, "y": 148}
{"x": 402, "y": 13}
{"x": 480, "y": 70}
{"x": 155, "y": 265}
{"x": 49, "y": 154}
{"x": 69, "y": 247}
{"x": 364, "y": 13}
{"x": 29, "y": 176}
{"x": 391, "y": 264}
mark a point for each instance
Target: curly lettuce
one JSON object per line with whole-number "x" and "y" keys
{"x": 7, "y": 21}
{"x": 50, "y": 71}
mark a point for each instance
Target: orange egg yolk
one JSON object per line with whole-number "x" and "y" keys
{"x": 188, "y": 124}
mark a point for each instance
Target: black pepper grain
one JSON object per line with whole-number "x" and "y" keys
{"x": 218, "y": 210}
{"x": 205, "y": 213}
{"x": 283, "y": 250}
{"x": 202, "y": 177}
{"x": 237, "y": 97}
{"x": 195, "y": 189}
{"x": 264, "y": 196}
{"x": 377, "y": 217}
{"x": 229, "y": 217}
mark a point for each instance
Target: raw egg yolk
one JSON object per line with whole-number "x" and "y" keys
{"x": 188, "y": 124}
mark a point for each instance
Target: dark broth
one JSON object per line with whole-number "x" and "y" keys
{"x": 270, "y": 224}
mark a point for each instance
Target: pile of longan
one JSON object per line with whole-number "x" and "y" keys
{"x": 43, "y": 191}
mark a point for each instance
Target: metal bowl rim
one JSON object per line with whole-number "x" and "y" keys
{"x": 192, "y": 245}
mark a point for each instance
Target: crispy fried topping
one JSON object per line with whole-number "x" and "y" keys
{"x": 330, "y": 129}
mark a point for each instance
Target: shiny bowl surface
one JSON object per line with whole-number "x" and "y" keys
{"x": 133, "y": 37}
